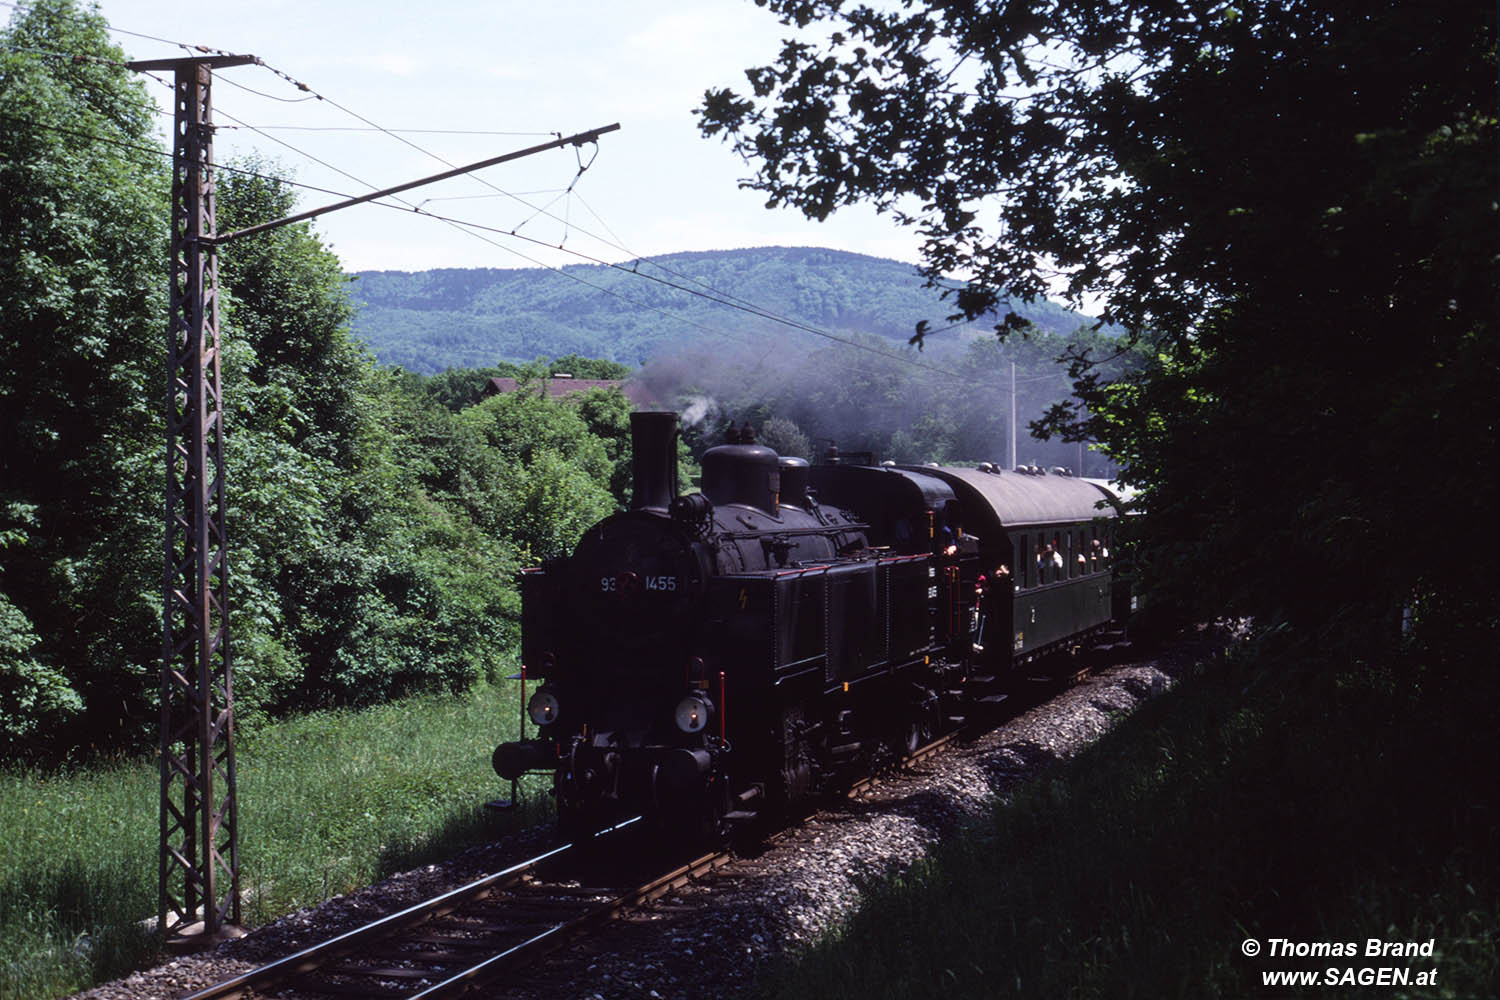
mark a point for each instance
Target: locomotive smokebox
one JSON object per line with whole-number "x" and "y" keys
{"x": 653, "y": 442}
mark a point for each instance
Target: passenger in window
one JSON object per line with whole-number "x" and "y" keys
{"x": 1048, "y": 559}
{"x": 947, "y": 537}
{"x": 953, "y": 538}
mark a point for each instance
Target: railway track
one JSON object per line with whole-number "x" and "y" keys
{"x": 463, "y": 939}
{"x": 467, "y": 937}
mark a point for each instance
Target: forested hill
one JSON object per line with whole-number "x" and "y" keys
{"x": 427, "y": 321}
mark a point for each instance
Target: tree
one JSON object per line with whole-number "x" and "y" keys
{"x": 351, "y": 583}
{"x": 606, "y": 413}
{"x": 82, "y": 334}
{"x": 785, "y": 438}
{"x": 535, "y": 473}
{"x": 1292, "y": 203}
{"x": 354, "y": 575}
{"x": 288, "y": 302}
{"x": 595, "y": 368}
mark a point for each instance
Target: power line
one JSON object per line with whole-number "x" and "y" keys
{"x": 262, "y": 93}
{"x": 456, "y": 224}
{"x": 157, "y": 151}
{"x": 717, "y": 295}
{"x": 471, "y": 228}
{"x": 73, "y": 58}
{"x": 730, "y": 303}
{"x": 536, "y": 210}
{"x": 725, "y": 299}
{"x": 167, "y": 154}
{"x": 713, "y": 294}
{"x": 592, "y": 135}
{"x": 403, "y": 131}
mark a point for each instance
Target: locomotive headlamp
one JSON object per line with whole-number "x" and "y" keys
{"x": 543, "y": 707}
{"x": 693, "y": 712}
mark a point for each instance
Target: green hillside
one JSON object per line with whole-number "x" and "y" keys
{"x": 427, "y": 321}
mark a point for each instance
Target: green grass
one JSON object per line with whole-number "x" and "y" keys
{"x": 1261, "y": 798}
{"x": 328, "y": 802}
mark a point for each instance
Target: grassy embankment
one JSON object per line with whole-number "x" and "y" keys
{"x": 1269, "y": 797}
{"x": 328, "y": 802}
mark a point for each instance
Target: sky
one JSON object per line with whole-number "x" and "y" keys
{"x": 654, "y": 187}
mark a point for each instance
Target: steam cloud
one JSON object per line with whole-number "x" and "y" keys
{"x": 865, "y": 401}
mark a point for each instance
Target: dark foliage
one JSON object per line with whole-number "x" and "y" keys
{"x": 82, "y": 332}
{"x": 373, "y": 534}
{"x": 1294, "y": 203}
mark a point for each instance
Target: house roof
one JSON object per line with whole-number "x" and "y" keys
{"x": 556, "y": 388}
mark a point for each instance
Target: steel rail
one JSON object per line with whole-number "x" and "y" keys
{"x": 554, "y": 938}
{"x": 921, "y": 753}
{"x": 324, "y": 952}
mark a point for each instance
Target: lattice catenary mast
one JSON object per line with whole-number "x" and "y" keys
{"x": 199, "y": 847}
{"x": 199, "y": 856}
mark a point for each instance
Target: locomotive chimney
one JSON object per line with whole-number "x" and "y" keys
{"x": 653, "y": 443}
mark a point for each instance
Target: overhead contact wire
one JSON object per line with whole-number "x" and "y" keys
{"x": 713, "y": 294}
{"x": 719, "y": 296}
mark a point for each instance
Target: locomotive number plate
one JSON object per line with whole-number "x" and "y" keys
{"x": 610, "y": 584}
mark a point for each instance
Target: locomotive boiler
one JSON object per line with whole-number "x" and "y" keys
{"x": 711, "y": 657}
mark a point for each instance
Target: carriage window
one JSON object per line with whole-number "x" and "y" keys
{"x": 1073, "y": 552}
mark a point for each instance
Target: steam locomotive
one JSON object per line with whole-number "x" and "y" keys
{"x": 706, "y": 659}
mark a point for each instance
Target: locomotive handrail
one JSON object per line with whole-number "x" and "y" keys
{"x": 820, "y": 531}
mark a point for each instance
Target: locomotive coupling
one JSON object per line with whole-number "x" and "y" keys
{"x": 511, "y": 760}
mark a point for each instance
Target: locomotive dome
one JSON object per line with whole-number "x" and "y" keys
{"x": 795, "y": 474}
{"x": 748, "y": 474}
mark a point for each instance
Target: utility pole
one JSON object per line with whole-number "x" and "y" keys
{"x": 1012, "y": 463}
{"x": 199, "y": 870}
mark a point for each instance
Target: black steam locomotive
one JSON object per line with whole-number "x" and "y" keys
{"x": 716, "y": 656}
